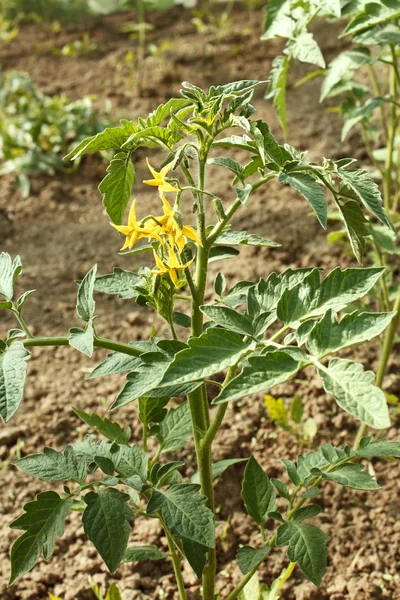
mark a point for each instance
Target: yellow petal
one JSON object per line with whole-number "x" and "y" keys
{"x": 159, "y": 262}
{"x": 152, "y": 171}
{"x": 126, "y": 244}
{"x": 121, "y": 228}
{"x": 166, "y": 169}
{"x": 190, "y": 233}
{"x": 132, "y": 215}
{"x": 166, "y": 206}
{"x": 174, "y": 277}
{"x": 167, "y": 187}
{"x": 155, "y": 182}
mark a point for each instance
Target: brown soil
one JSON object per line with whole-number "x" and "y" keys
{"x": 61, "y": 230}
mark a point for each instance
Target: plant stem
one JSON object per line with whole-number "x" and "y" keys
{"x": 21, "y": 322}
{"x": 384, "y": 359}
{"x": 378, "y": 92}
{"x": 176, "y": 562}
{"x": 387, "y": 182}
{"x": 98, "y": 342}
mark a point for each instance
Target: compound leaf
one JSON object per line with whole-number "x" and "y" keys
{"x": 111, "y": 430}
{"x": 352, "y": 476}
{"x": 311, "y": 190}
{"x": 54, "y": 466}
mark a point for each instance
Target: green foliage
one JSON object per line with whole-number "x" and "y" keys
{"x": 36, "y": 130}
{"x": 243, "y": 341}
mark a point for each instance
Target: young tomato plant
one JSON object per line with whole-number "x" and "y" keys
{"x": 366, "y": 79}
{"x": 251, "y": 337}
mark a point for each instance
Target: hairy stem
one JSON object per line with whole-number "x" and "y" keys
{"x": 98, "y": 342}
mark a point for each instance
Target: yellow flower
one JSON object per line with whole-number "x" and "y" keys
{"x": 171, "y": 267}
{"x": 133, "y": 232}
{"x": 159, "y": 178}
{"x": 172, "y": 228}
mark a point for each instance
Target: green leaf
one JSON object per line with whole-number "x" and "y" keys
{"x": 219, "y": 284}
{"x": 260, "y": 374}
{"x": 106, "y": 523}
{"x": 251, "y": 590}
{"x": 196, "y": 555}
{"x": 360, "y": 113}
{"x": 113, "y": 593}
{"x": 355, "y": 392}
{"x": 162, "y": 475}
{"x": 243, "y": 142}
{"x": 228, "y": 163}
{"x": 279, "y": 154}
{"x": 382, "y": 448}
{"x": 297, "y": 409}
{"x": 236, "y": 238}
{"x": 85, "y": 305}
{"x": 175, "y": 428}
{"x": 109, "y": 139}
{"x": 306, "y": 546}
{"x": 13, "y": 369}
{"x": 145, "y": 378}
{"x": 366, "y": 191}
{"x": 277, "y": 88}
{"x": 42, "y": 521}
{"x": 303, "y": 47}
{"x": 181, "y": 319}
{"x": 352, "y": 476}
{"x": 116, "y": 186}
{"x": 221, "y": 253}
{"x": 54, "y": 466}
{"x": 279, "y": 21}
{"x": 258, "y": 493}
{"x": 116, "y": 362}
{"x": 139, "y": 553}
{"x": 218, "y": 468}
{"x": 213, "y": 351}
{"x": 185, "y": 513}
{"x": 151, "y": 410}
{"x": 372, "y": 14}
{"x": 9, "y": 271}
{"x": 119, "y": 282}
{"x": 112, "y": 431}
{"x": 328, "y": 335}
{"x": 312, "y": 298}
{"x": 306, "y": 512}
{"x": 281, "y": 488}
{"x": 229, "y": 319}
{"x": 342, "y": 68}
{"x": 248, "y": 557}
{"x": 82, "y": 339}
{"x": 311, "y": 190}
{"x": 244, "y": 193}
{"x": 356, "y": 227}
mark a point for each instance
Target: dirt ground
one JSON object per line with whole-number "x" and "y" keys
{"x": 61, "y": 230}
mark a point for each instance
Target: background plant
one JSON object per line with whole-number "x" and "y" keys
{"x": 36, "y": 130}
{"x": 251, "y": 337}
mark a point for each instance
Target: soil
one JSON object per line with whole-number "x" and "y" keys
{"x": 61, "y": 230}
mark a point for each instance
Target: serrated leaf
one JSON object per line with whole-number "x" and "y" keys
{"x": 139, "y": 553}
{"x": 237, "y": 238}
{"x": 258, "y": 493}
{"x": 54, "y": 466}
{"x": 122, "y": 283}
{"x": 365, "y": 111}
{"x": 248, "y": 557}
{"x": 212, "y": 352}
{"x": 356, "y": 227}
{"x": 277, "y": 88}
{"x": 352, "y": 476}
{"x": 185, "y": 513}
{"x": 229, "y": 163}
{"x": 355, "y": 392}
{"x": 304, "y": 47}
{"x": 13, "y": 369}
{"x": 243, "y": 142}
{"x": 111, "y": 430}
{"x": 318, "y": 459}
{"x": 343, "y": 67}
{"x": 312, "y": 297}
{"x": 381, "y": 448}
{"x": 229, "y": 319}
{"x": 116, "y": 186}
{"x": 116, "y": 362}
{"x": 306, "y": 546}
{"x": 42, "y": 521}
{"x": 329, "y": 335}
{"x": 82, "y": 339}
{"x": 9, "y": 271}
{"x": 372, "y": 14}
{"x": 109, "y": 139}
{"x": 85, "y": 305}
{"x": 145, "y": 378}
{"x": 175, "y": 428}
{"x": 106, "y": 523}
{"x": 366, "y": 191}
{"x": 279, "y": 21}
{"x": 260, "y": 374}
{"x": 311, "y": 190}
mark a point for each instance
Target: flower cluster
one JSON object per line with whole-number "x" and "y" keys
{"x": 165, "y": 229}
